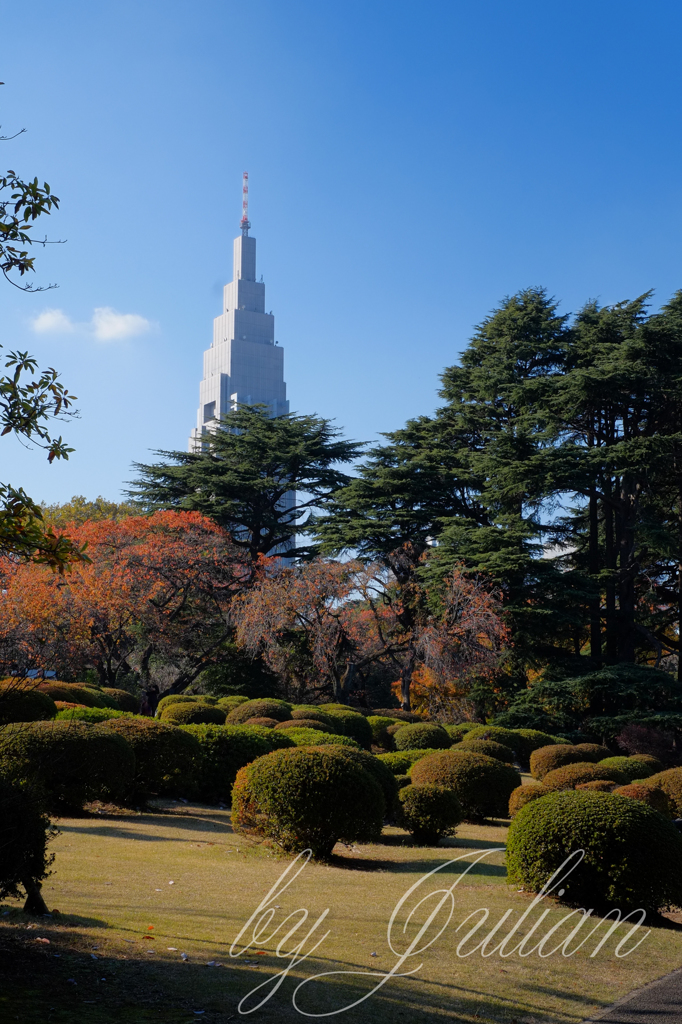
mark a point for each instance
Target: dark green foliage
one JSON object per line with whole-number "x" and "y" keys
{"x": 302, "y": 723}
{"x": 458, "y": 732}
{"x": 193, "y": 714}
{"x": 352, "y": 723}
{"x": 67, "y": 763}
{"x": 546, "y": 759}
{"x": 307, "y": 798}
{"x": 482, "y": 784}
{"x": 570, "y": 775}
{"x": 266, "y": 707}
{"x": 72, "y": 693}
{"x": 311, "y": 712}
{"x": 429, "y": 812}
{"x": 402, "y": 780}
{"x": 276, "y": 740}
{"x": 223, "y": 751}
{"x": 124, "y": 700}
{"x": 633, "y": 856}
{"x": 92, "y": 715}
{"x": 489, "y": 747}
{"x": 399, "y": 714}
{"x": 522, "y": 741}
{"x": 632, "y": 768}
{"x": 25, "y": 830}
{"x": 313, "y": 737}
{"x": 401, "y": 761}
{"x": 421, "y": 735}
{"x": 650, "y": 795}
{"x": 244, "y": 470}
{"x": 231, "y": 702}
{"x": 380, "y": 772}
{"x": 530, "y": 740}
{"x": 101, "y": 695}
{"x": 166, "y": 757}
{"x": 21, "y": 704}
{"x": 670, "y": 782}
{"x": 379, "y": 725}
{"x": 523, "y": 795}
{"x": 175, "y": 698}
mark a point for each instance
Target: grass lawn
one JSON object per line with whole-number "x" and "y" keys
{"x": 111, "y": 882}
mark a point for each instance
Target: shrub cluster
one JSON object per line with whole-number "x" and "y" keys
{"x": 166, "y": 757}
{"x": 632, "y": 768}
{"x": 268, "y": 723}
{"x": 195, "y": 713}
{"x": 523, "y": 795}
{"x": 67, "y": 763}
{"x": 633, "y": 856}
{"x": 547, "y": 759}
{"x": 458, "y": 732}
{"x": 92, "y": 715}
{"x": 571, "y": 775}
{"x": 429, "y": 812}
{"x": 397, "y": 713}
{"x": 421, "y": 735}
{"x": 482, "y": 784}
{"x": 649, "y": 761}
{"x": 75, "y": 693}
{"x": 400, "y": 762}
{"x": 312, "y": 737}
{"x": 311, "y": 712}
{"x": 379, "y": 725}
{"x": 670, "y": 782}
{"x": 302, "y": 723}
{"x": 307, "y": 798}
{"x": 651, "y": 795}
{"x": 263, "y": 708}
{"x": 174, "y": 698}
{"x": 20, "y": 703}
{"x": 231, "y": 702}
{"x": 224, "y": 749}
{"x": 350, "y": 723}
{"x": 490, "y": 747}
{"x": 124, "y": 700}
{"x": 593, "y": 751}
{"x": 597, "y": 785}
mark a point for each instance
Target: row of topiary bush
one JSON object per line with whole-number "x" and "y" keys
{"x": 22, "y": 701}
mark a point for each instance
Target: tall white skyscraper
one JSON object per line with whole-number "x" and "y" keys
{"x": 243, "y": 364}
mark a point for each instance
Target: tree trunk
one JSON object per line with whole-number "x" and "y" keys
{"x": 406, "y": 679}
{"x": 595, "y": 622}
{"x": 35, "y": 904}
{"x": 346, "y": 683}
{"x": 611, "y": 626}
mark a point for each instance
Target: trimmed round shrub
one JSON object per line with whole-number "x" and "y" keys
{"x": 530, "y": 740}
{"x": 429, "y": 812}
{"x": 267, "y": 707}
{"x": 496, "y": 733}
{"x": 193, "y": 714}
{"x": 651, "y": 795}
{"x": 391, "y": 730}
{"x": 350, "y": 723}
{"x": 398, "y": 713}
{"x": 497, "y": 750}
{"x": 570, "y": 775}
{"x": 67, "y": 763}
{"x": 307, "y": 799}
{"x": 597, "y": 785}
{"x": 166, "y": 757}
{"x": 124, "y": 700}
{"x": 26, "y": 830}
{"x": 629, "y": 767}
{"x": 523, "y": 795}
{"x": 92, "y": 715}
{"x": 482, "y": 784}
{"x": 547, "y": 759}
{"x": 276, "y": 740}
{"x": 312, "y": 737}
{"x": 175, "y": 698}
{"x": 593, "y": 751}
{"x": 650, "y": 761}
{"x": 401, "y": 761}
{"x": 224, "y": 749}
{"x": 106, "y": 700}
{"x": 633, "y": 856}
{"x": 74, "y": 694}
{"x": 458, "y": 732}
{"x": 379, "y": 772}
{"x": 311, "y": 712}
{"x": 268, "y": 723}
{"x": 421, "y": 735}
{"x": 670, "y": 782}
{"x": 302, "y": 723}
{"x": 24, "y": 704}
{"x": 231, "y": 702}
{"x": 379, "y": 725}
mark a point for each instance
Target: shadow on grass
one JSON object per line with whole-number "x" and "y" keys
{"x": 101, "y": 826}
{"x": 351, "y": 863}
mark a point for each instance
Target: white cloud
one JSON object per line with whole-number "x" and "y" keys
{"x": 52, "y": 321}
{"x": 108, "y": 325}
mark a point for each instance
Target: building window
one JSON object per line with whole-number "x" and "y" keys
{"x": 209, "y": 411}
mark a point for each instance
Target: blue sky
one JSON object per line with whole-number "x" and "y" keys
{"x": 410, "y": 164}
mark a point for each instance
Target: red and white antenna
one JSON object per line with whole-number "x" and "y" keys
{"x": 245, "y": 202}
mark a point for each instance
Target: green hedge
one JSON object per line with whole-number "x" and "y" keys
{"x": 351, "y": 723}
{"x": 311, "y": 712}
{"x": 400, "y": 762}
{"x": 24, "y": 704}
{"x": 570, "y": 775}
{"x": 633, "y": 856}
{"x": 429, "y": 812}
{"x": 166, "y": 757}
{"x": 377, "y": 769}
{"x": 124, "y": 700}
{"x": 175, "y": 698}
{"x": 67, "y": 763}
{"x": 264, "y": 708}
{"x": 482, "y": 784}
{"x": 547, "y": 759}
{"x": 74, "y": 693}
{"x": 307, "y": 799}
{"x": 92, "y": 715}
{"x": 421, "y": 735}
{"x": 312, "y": 737}
{"x": 224, "y": 749}
{"x": 379, "y": 725}
{"x": 630, "y": 767}
{"x": 302, "y": 723}
{"x": 231, "y": 702}
{"x": 458, "y": 732}
{"x": 670, "y": 782}
{"x": 192, "y": 714}
{"x": 490, "y": 747}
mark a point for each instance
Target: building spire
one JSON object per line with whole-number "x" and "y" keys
{"x": 245, "y": 224}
